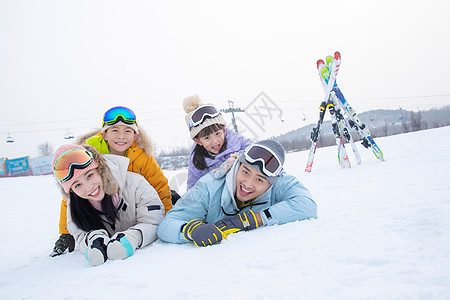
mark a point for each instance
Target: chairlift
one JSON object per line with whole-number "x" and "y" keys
{"x": 9, "y": 139}
{"x": 68, "y": 135}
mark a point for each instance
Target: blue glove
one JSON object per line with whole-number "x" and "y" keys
{"x": 96, "y": 241}
{"x": 123, "y": 244}
{"x": 243, "y": 221}
{"x": 202, "y": 234}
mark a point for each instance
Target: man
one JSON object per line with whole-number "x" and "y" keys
{"x": 255, "y": 192}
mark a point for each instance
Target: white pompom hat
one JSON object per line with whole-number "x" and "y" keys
{"x": 190, "y": 105}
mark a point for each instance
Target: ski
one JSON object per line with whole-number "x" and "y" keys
{"x": 315, "y": 137}
{"x": 326, "y": 74}
{"x": 344, "y": 129}
{"x": 355, "y": 122}
{"x": 316, "y": 130}
{"x": 343, "y": 160}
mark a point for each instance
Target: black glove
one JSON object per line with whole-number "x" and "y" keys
{"x": 243, "y": 221}
{"x": 202, "y": 234}
{"x": 64, "y": 241}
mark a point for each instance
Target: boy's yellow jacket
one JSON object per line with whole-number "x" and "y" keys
{"x": 140, "y": 162}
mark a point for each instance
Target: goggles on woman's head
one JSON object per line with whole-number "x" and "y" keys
{"x": 119, "y": 113}
{"x": 70, "y": 160}
{"x": 270, "y": 163}
{"x": 199, "y": 115}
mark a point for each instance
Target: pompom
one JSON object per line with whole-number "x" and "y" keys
{"x": 191, "y": 103}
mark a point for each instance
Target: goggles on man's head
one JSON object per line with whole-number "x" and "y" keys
{"x": 70, "y": 160}
{"x": 199, "y": 115}
{"x": 269, "y": 162}
{"x": 119, "y": 113}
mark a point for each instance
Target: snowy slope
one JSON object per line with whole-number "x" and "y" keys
{"x": 383, "y": 232}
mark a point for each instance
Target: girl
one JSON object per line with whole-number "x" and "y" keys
{"x": 111, "y": 212}
{"x": 214, "y": 143}
{"x": 121, "y": 135}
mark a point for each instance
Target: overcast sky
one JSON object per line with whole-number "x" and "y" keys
{"x": 64, "y": 63}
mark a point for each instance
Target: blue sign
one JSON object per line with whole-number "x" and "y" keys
{"x": 18, "y": 166}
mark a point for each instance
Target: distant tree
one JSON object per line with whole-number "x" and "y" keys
{"x": 405, "y": 126}
{"x": 385, "y": 127}
{"x": 45, "y": 149}
{"x": 416, "y": 120}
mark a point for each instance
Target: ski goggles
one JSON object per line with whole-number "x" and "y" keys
{"x": 270, "y": 163}
{"x": 199, "y": 115}
{"x": 119, "y": 113}
{"x": 70, "y": 160}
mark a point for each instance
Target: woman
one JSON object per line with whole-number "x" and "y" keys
{"x": 111, "y": 212}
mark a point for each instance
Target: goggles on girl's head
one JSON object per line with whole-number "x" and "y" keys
{"x": 199, "y": 115}
{"x": 119, "y": 113}
{"x": 70, "y": 160}
{"x": 270, "y": 163}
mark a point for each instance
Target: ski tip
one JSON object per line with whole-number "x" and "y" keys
{"x": 320, "y": 62}
{"x": 337, "y": 55}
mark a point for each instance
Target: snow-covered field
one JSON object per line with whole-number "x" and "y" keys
{"x": 383, "y": 232}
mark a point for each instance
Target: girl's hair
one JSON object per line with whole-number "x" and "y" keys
{"x": 200, "y": 152}
{"x": 87, "y": 218}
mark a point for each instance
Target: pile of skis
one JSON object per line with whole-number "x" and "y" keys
{"x": 343, "y": 117}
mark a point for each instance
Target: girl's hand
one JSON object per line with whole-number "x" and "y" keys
{"x": 225, "y": 166}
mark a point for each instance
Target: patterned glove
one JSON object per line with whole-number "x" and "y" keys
{"x": 123, "y": 244}
{"x": 225, "y": 166}
{"x": 243, "y": 221}
{"x": 96, "y": 241}
{"x": 202, "y": 234}
{"x": 64, "y": 241}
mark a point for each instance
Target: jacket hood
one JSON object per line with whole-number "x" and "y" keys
{"x": 143, "y": 141}
{"x": 110, "y": 183}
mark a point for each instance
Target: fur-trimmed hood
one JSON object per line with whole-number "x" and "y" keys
{"x": 143, "y": 141}
{"x": 110, "y": 182}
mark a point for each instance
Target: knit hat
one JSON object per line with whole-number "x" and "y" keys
{"x": 76, "y": 172}
{"x": 134, "y": 126}
{"x": 190, "y": 105}
{"x": 275, "y": 147}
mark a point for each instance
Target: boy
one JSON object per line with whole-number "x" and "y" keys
{"x": 120, "y": 135}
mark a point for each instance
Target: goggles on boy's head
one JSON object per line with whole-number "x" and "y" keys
{"x": 70, "y": 160}
{"x": 270, "y": 164}
{"x": 199, "y": 115}
{"x": 119, "y": 113}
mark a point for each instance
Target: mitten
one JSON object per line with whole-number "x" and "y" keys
{"x": 123, "y": 244}
{"x": 64, "y": 241}
{"x": 243, "y": 221}
{"x": 96, "y": 242}
{"x": 225, "y": 166}
{"x": 202, "y": 234}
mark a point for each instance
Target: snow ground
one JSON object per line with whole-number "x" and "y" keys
{"x": 383, "y": 232}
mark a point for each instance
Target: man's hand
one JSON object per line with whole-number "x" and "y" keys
{"x": 243, "y": 221}
{"x": 202, "y": 234}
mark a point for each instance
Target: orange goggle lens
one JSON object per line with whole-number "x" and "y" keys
{"x": 70, "y": 160}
